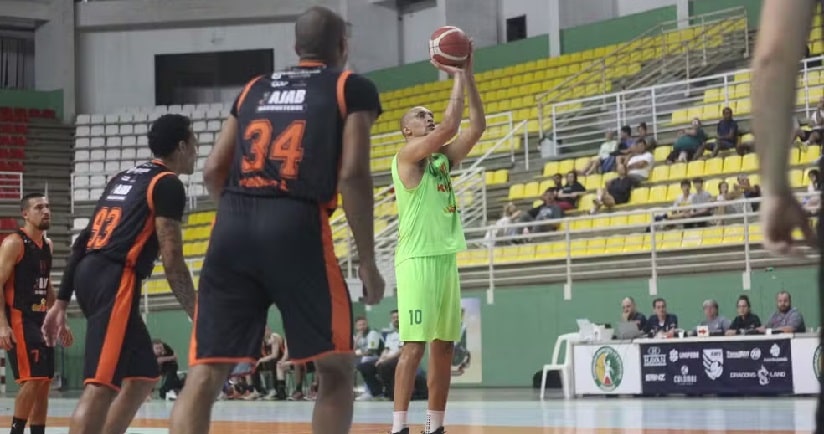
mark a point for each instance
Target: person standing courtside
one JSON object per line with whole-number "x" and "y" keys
{"x": 429, "y": 236}
{"x": 138, "y": 215}
{"x": 25, "y": 267}
{"x": 293, "y": 138}
{"x": 785, "y": 27}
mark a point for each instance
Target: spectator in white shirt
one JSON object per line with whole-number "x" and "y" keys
{"x": 379, "y": 373}
{"x": 640, "y": 162}
{"x": 605, "y": 161}
{"x": 367, "y": 345}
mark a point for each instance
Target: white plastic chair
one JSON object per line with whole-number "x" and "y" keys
{"x": 564, "y": 367}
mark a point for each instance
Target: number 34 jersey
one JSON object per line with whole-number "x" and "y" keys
{"x": 122, "y": 228}
{"x": 290, "y": 131}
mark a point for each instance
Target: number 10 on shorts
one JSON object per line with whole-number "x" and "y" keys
{"x": 415, "y": 317}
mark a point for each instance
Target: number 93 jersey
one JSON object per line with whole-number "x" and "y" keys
{"x": 290, "y": 128}
{"x": 122, "y": 228}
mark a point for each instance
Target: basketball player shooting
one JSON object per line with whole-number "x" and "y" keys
{"x": 430, "y": 235}
{"x": 782, "y": 37}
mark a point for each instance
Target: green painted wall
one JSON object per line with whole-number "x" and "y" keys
{"x": 699, "y": 7}
{"x": 613, "y": 31}
{"x": 33, "y": 99}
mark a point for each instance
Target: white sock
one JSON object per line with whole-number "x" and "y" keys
{"x": 398, "y": 421}
{"x": 434, "y": 420}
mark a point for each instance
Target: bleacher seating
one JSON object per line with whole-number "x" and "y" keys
{"x": 13, "y": 141}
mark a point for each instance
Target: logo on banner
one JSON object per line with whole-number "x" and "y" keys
{"x": 714, "y": 363}
{"x": 817, "y": 362}
{"x": 607, "y": 369}
{"x": 685, "y": 378}
{"x": 675, "y": 355}
{"x": 654, "y": 358}
{"x": 775, "y": 354}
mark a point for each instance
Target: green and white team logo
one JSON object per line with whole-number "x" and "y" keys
{"x": 607, "y": 369}
{"x": 817, "y": 362}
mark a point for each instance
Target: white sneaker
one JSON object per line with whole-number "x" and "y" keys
{"x": 252, "y": 396}
{"x": 171, "y": 395}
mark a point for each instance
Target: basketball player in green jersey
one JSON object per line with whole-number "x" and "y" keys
{"x": 430, "y": 235}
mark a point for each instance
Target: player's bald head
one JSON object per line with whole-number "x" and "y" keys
{"x": 319, "y": 35}
{"x": 418, "y": 112}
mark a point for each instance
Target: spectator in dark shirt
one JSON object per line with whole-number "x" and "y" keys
{"x": 661, "y": 321}
{"x": 547, "y": 210}
{"x": 727, "y": 133}
{"x": 616, "y": 192}
{"x": 568, "y": 196}
{"x": 626, "y": 138}
{"x": 689, "y": 145}
{"x": 558, "y": 180}
{"x": 167, "y": 361}
{"x": 630, "y": 313}
{"x": 648, "y": 138}
{"x": 746, "y": 321}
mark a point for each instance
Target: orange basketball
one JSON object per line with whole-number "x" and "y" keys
{"x": 449, "y": 45}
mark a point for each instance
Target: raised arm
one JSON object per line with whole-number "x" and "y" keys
{"x": 419, "y": 148}
{"x": 468, "y": 138}
{"x": 780, "y": 47}
{"x": 10, "y": 253}
{"x": 362, "y": 107}
{"x": 169, "y": 202}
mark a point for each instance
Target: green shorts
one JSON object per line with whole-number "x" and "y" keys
{"x": 429, "y": 299}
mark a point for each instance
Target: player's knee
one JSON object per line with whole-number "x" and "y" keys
{"x": 413, "y": 350}
{"x": 336, "y": 368}
{"x": 205, "y": 379}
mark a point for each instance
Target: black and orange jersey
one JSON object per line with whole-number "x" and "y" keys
{"x": 123, "y": 224}
{"x": 290, "y": 131}
{"x": 27, "y": 289}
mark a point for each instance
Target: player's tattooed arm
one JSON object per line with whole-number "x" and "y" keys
{"x": 216, "y": 168}
{"x": 170, "y": 239}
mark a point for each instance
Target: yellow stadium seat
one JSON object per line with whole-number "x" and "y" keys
{"x": 639, "y": 219}
{"x": 596, "y": 246}
{"x": 578, "y": 248}
{"x": 581, "y": 163}
{"x": 797, "y": 178}
{"x": 600, "y": 222}
{"x": 543, "y": 251}
{"x": 712, "y": 236}
{"x": 733, "y": 235}
{"x": 506, "y": 255}
{"x": 585, "y": 203}
{"x": 545, "y": 184}
{"x": 810, "y": 154}
{"x": 712, "y": 95}
{"x": 516, "y": 191}
{"x": 659, "y": 173}
{"x": 673, "y": 191}
{"x": 593, "y": 182}
{"x": 695, "y": 169}
{"x": 713, "y": 166}
{"x": 614, "y": 245}
{"x": 749, "y": 163}
{"x": 501, "y": 176}
{"x": 743, "y": 107}
{"x": 794, "y": 156}
{"x": 550, "y": 168}
{"x": 691, "y": 239}
{"x": 678, "y": 171}
{"x": 464, "y": 258}
{"x": 710, "y": 112}
{"x": 732, "y": 164}
{"x": 489, "y": 178}
{"x": 531, "y": 190}
{"x": 658, "y": 194}
{"x": 526, "y": 252}
{"x": 566, "y": 166}
{"x": 755, "y": 234}
{"x": 694, "y": 112}
{"x": 671, "y": 240}
{"x": 618, "y": 220}
{"x": 661, "y": 153}
{"x": 742, "y": 91}
{"x": 634, "y": 244}
{"x": 741, "y": 76}
{"x": 680, "y": 117}
{"x": 580, "y": 224}
{"x": 639, "y": 196}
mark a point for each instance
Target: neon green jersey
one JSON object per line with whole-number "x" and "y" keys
{"x": 429, "y": 222}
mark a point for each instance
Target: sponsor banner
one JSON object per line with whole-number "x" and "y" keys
{"x": 807, "y": 364}
{"x": 717, "y": 367}
{"x": 604, "y": 369}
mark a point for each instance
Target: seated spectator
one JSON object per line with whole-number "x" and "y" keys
{"x": 661, "y": 322}
{"x": 502, "y": 227}
{"x": 812, "y": 202}
{"x": 817, "y": 117}
{"x": 639, "y": 162}
{"x": 558, "y": 181}
{"x": 743, "y": 189}
{"x": 716, "y": 324}
{"x": 746, "y": 321}
{"x": 167, "y": 362}
{"x": 786, "y": 318}
{"x": 724, "y": 195}
{"x": 548, "y": 210}
{"x": 604, "y": 162}
{"x": 699, "y": 197}
{"x": 629, "y": 313}
{"x": 626, "y": 140}
{"x": 678, "y": 206}
{"x": 368, "y": 346}
{"x": 648, "y": 138}
{"x": 728, "y": 131}
{"x": 388, "y": 360}
{"x": 616, "y": 192}
{"x": 689, "y": 145}
{"x": 568, "y": 196}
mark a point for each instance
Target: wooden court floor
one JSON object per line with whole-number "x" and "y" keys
{"x": 514, "y": 411}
